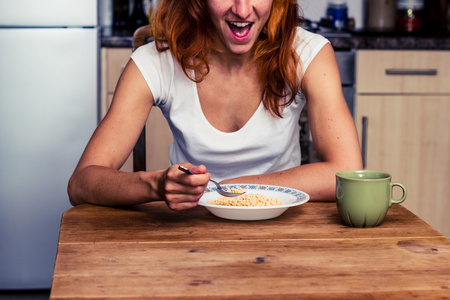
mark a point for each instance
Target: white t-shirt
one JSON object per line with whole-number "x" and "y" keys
{"x": 265, "y": 144}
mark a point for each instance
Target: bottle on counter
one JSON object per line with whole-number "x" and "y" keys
{"x": 337, "y": 13}
{"x": 409, "y": 17}
{"x": 381, "y": 15}
{"x": 138, "y": 17}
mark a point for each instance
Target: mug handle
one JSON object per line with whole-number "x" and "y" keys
{"x": 397, "y": 201}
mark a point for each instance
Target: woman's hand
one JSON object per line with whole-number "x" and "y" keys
{"x": 182, "y": 191}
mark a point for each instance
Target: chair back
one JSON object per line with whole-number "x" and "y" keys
{"x": 142, "y": 36}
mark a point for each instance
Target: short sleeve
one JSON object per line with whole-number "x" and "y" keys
{"x": 156, "y": 68}
{"x": 308, "y": 45}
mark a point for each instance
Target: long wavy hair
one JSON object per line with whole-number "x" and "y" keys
{"x": 184, "y": 27}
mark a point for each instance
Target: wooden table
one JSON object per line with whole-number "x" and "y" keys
{"x": 150, "y": 251}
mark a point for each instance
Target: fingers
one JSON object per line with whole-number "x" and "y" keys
{"x": 201, "y": 169}
{"x": 182, "y": 205}
{"x": 181, "y": 190}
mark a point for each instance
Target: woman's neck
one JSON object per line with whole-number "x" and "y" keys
{"x": 230, "y": 62}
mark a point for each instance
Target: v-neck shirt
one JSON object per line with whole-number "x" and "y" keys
{"x": 264, "y": 144}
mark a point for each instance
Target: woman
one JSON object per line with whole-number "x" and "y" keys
{"x": 231, "y": 77}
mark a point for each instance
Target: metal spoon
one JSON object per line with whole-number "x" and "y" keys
{"x": 220, "y": 190}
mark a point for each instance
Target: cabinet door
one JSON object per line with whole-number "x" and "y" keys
{"x": 408, "y": 137}
{"x": 114, "y": 61}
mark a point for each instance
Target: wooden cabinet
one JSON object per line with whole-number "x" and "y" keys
{"x": 402, "y": 116}
{"x": 113, "y": 63}
{"x": 158, "y": 134}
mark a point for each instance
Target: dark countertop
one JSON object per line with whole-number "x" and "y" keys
{"x": 391, "y": 42}
{"x": 116, "y": 41}
{"x": 360, "y": 40}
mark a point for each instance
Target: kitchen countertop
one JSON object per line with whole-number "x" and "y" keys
{"x": 346, "y": 40}
{"x": 391, "y": 42}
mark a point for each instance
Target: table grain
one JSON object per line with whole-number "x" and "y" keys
{"x": 152, "y": 252}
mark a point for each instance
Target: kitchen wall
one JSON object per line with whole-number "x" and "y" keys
{"x": 106, "y": 12}
{"x": 316, "y": 9}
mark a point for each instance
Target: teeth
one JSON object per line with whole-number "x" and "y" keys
{"x": 240, "y": 24}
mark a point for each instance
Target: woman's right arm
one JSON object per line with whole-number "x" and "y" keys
{"x": 97, "y": 178}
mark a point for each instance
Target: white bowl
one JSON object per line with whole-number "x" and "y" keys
{"x": 290, "y": 197}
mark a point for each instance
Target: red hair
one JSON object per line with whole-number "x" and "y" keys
{"x": 184, "y": 28}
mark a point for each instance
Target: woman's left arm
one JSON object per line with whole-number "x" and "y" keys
{"x": 333, "y": 131}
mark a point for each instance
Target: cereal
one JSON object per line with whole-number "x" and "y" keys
{"x": 237, "y": 190}
{"x": 246, "y": 200}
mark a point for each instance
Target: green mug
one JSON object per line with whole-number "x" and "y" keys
{"x": 363, "y": 197}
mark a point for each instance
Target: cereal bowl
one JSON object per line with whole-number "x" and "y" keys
{"x": 290, "y": 197}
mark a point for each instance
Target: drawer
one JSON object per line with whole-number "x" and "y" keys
{"x": 402, "y": 72}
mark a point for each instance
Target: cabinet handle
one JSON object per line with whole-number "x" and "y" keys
{"x": 365, "y": 121}
{"x": 429, "y": 72}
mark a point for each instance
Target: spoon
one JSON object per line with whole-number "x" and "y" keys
{"x": 220, "y": 190}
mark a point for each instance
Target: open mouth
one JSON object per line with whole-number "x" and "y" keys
{"x": 240, "y": 29}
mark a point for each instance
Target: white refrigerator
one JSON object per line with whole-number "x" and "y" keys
{"x": 49, "y": 92}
